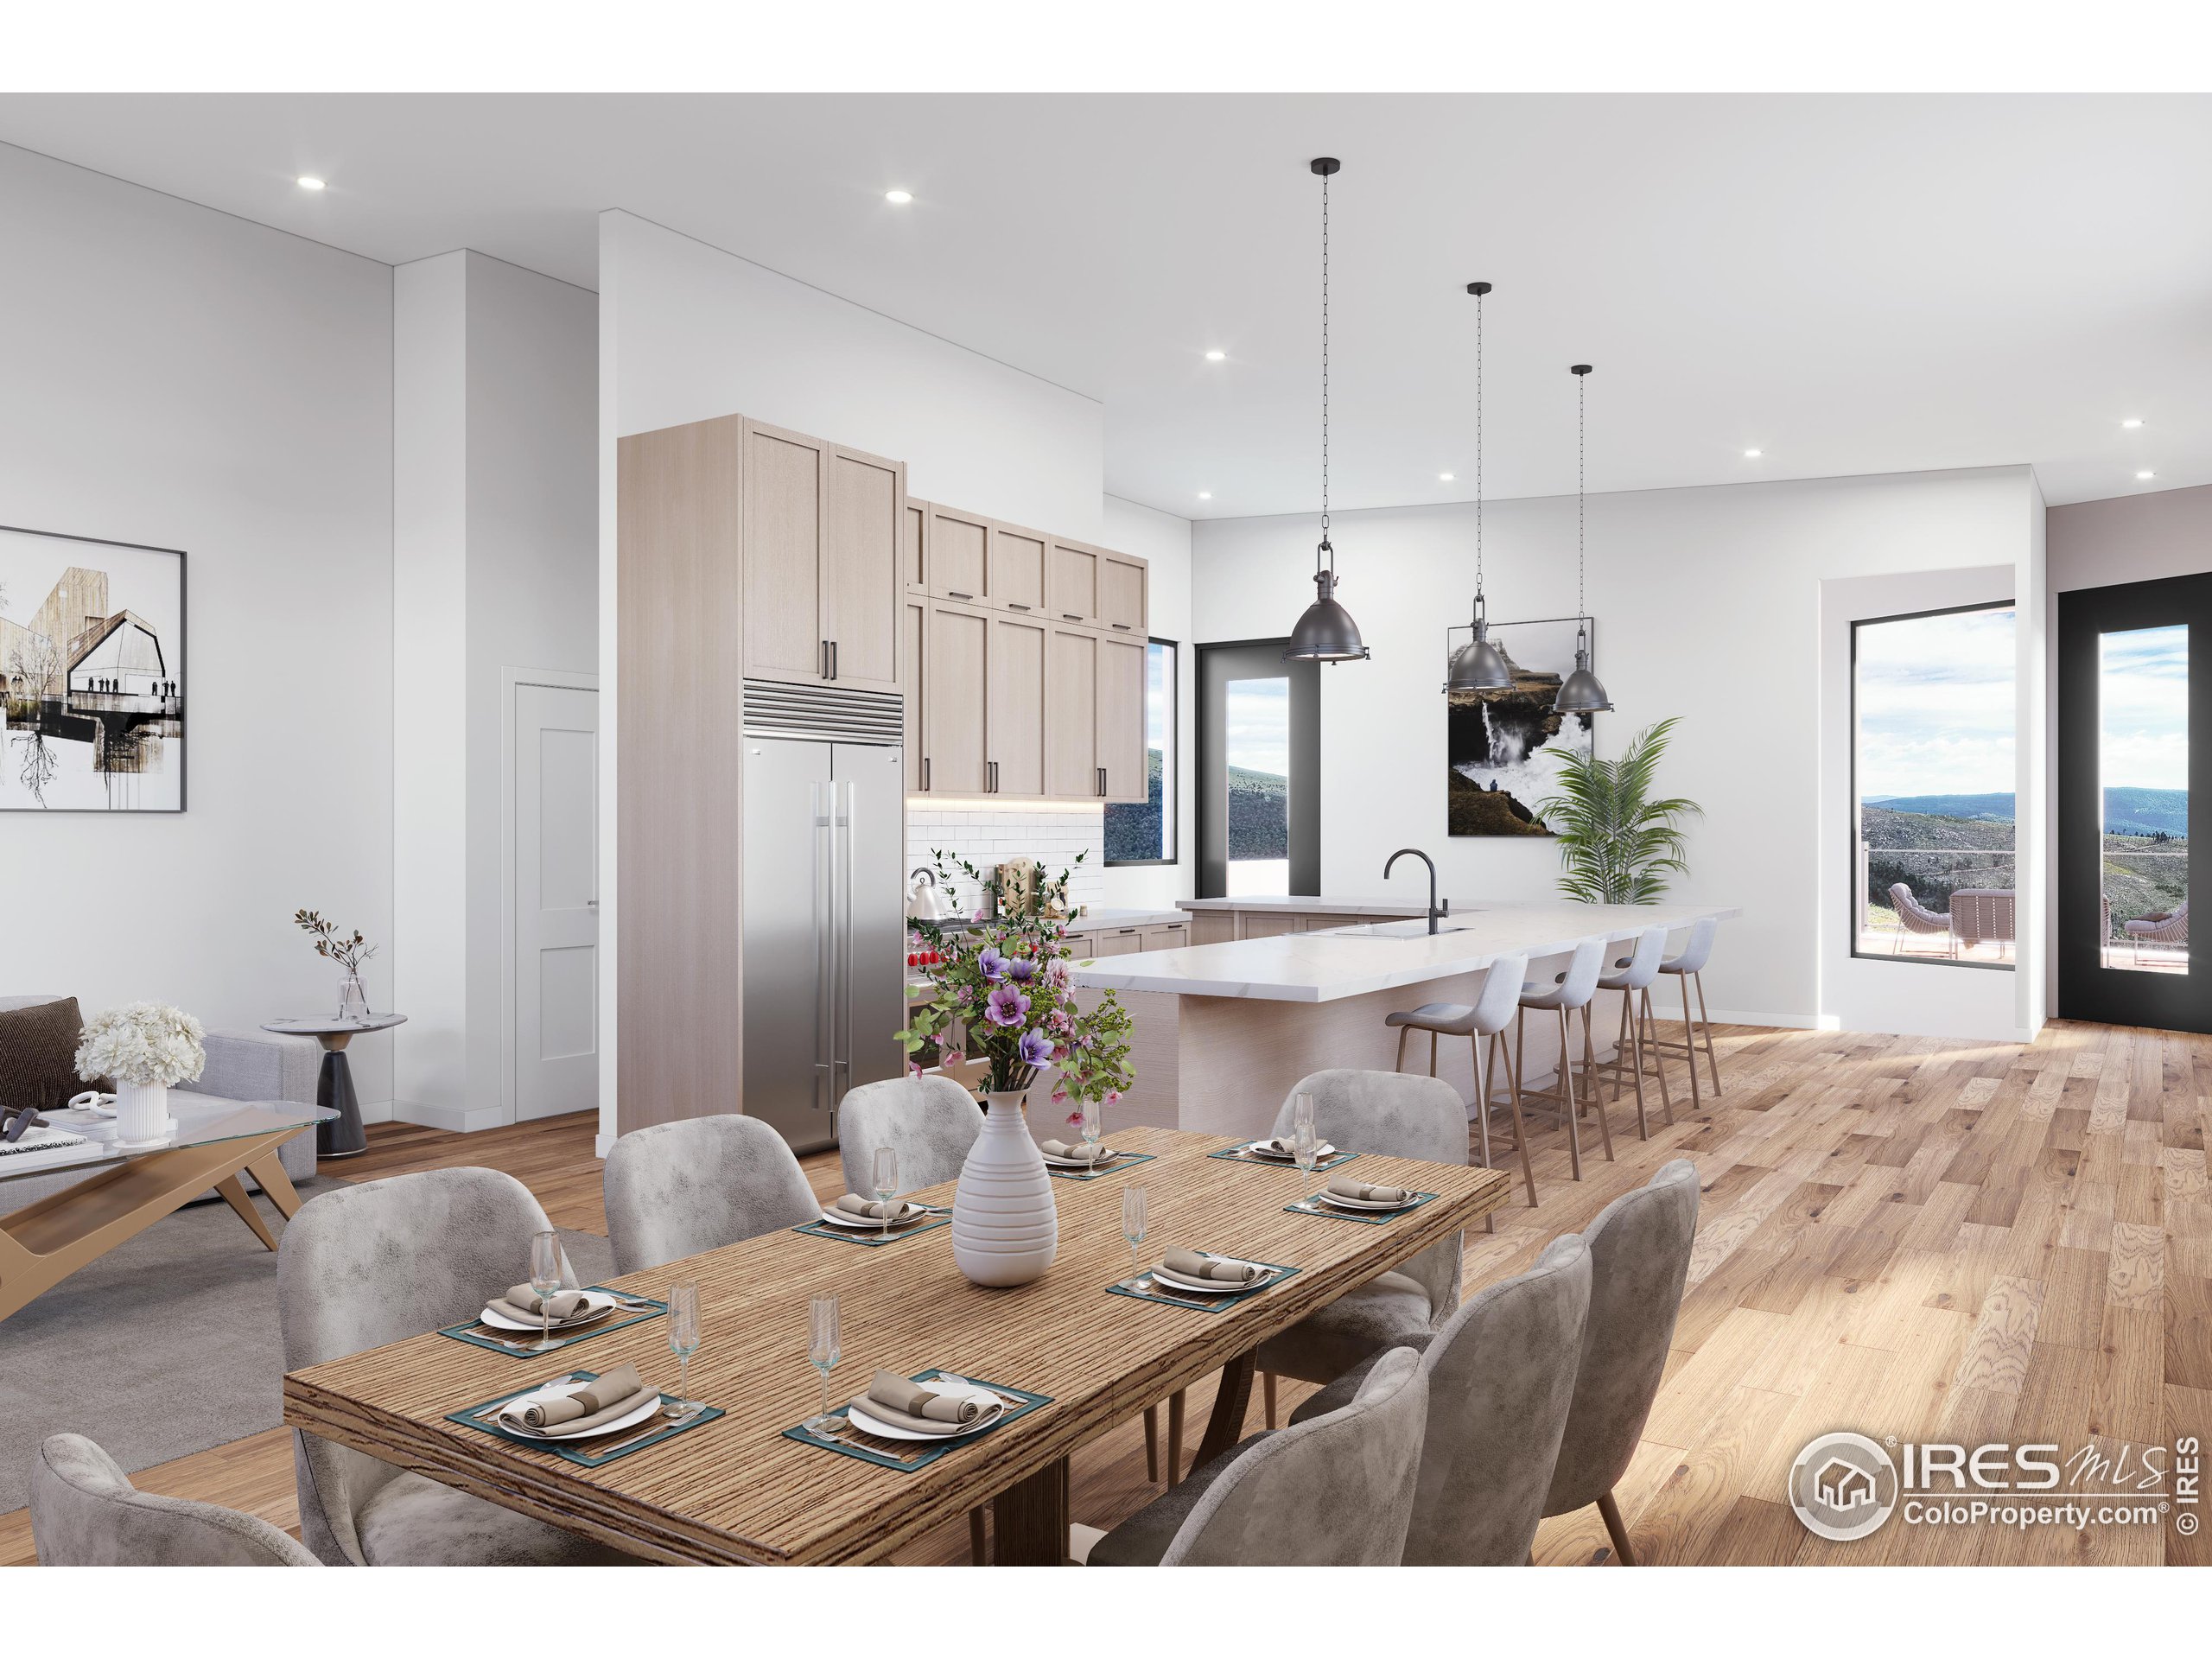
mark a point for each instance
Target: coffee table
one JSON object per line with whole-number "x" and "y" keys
{"x": 131, "y": 1189}
{"x": 343, "y": 1136}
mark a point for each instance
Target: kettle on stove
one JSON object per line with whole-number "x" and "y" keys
{"x": 926, "y": 900}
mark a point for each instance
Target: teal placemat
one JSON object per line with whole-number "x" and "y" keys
{"x": 1312, "y": 1207}
{"x": 1145, "y": 1290}
{"x": 912, "y": 1454}
{"x": 476, "y": 1334}
{"x": 1237, "y": 1154}
{"x": 620, "y": 1444}
{"x": 1124, "y": 1161}
{"x": 872, "y": 1241}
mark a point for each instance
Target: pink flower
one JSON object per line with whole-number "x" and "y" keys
{"x": 1074, "y": 1118}
{"x": 952, "y": 1057}
{"x": 1113, "y": 1096}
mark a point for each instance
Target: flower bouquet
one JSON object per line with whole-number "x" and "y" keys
{"x": 145, "y": 1047}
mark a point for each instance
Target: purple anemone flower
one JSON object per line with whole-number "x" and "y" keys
{"x": 1036, "y": 1048}
{"x": 991, "y": 964}
{"x": 1006, "y": 1007}
{"x": 1019, "y": 971}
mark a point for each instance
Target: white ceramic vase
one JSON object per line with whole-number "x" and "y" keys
{"x": 141, "y": 1113}
{"x": 1006, "y": 1230}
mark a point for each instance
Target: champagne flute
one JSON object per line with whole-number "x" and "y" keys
{"x": 886, "y": 1184}
{"x": 1133, "y": 1220}
{"x": 1090, "y": 1130}
{"x": 683, "y": 1342}
{"x": 546, "y": 1279}
{"x": 822, "y": 1351}
{"x": 1305, "y": 1140}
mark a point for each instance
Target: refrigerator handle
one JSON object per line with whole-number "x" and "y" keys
{"x": 825, "y": 911}
{"x": 842, "y": 804}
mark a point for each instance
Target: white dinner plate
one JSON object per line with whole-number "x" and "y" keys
{"x": 1213, "y": 1286}
{"x": 561, "y": 1391}
{"x": 869, "y": 1224}
{"x": 1259, "y": 1149}
{"x": 1081, "y": 1163}
{"x": 993, "y": 1408}
{"x": 600, "y": 1303}
{"x": 1343, "y": 1203}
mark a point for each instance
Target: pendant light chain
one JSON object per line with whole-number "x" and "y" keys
{"x": 1581, "y": 404}
{"x": 1325, "y": 367}
{"x": 1478, "y": 446}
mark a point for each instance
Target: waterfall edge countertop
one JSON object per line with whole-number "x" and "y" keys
{"x": 1325, "y": 966}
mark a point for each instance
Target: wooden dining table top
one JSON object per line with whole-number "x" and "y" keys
{"x": 734, "y": 1490}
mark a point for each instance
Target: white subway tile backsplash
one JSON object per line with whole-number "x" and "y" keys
{"x": 984, "y": 838}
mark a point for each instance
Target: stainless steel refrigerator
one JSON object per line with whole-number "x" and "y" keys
{"x": 825, "y": 918}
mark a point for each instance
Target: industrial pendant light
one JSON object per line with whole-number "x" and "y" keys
{"x": 1581, "y": 694}
{"x": 1478, "y": 665}
{"x": 1327, "y": 632}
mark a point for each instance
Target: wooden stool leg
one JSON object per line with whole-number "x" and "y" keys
{"x": 1630, "y": 1046}
{"x": 1567, "y": 1084}
{"x": 1604, "y": 1121}
{"x": 1647, "y": 1035}
{"x": 979, "y": 1552}
{"x": 1520, "y": 1129}
{"x": 1175, "y": 1437}
{"x": 1689, "y": 1040}
{"x": 1482, "y": 1111}
{"x": 1152, "y": 1443}
{"x": 1268, "y": 1393}
{"x": 1610, "y": 1507}
{"x": 1399, "y": 1065}
{"x": 1705, "y": 1021}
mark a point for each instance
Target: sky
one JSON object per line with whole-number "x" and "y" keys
{"x": 1935, "y": 706}
{"x": 1258, "y": 736}
{"x": 2143, "y": 709}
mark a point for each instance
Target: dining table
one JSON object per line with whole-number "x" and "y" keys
{"x": 737, "y": 1490}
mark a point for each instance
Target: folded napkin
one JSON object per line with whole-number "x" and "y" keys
{"x": 1344, "y": 1187}
{"x": 521, "y": 1302}
{"x": 1283, "y": 1147}
{"x": 872, "y": 1210}
{"x": 617, "y": 1393}
{"x": 1076, "y": 1150}
{"x": 1189, "y": 1264}
{"x": 902, "y": 1403}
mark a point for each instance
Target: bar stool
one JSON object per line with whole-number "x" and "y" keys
{"x": 1569, "y": 993}
{"x": 1632, "y": 977}
{"x": 1491, "y": 1011}
{"x": 1690, "y": 965}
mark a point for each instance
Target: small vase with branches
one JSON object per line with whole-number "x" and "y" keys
{"x": 348, "y": 953}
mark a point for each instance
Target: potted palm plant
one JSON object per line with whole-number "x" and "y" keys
{"x": 1616, "y": 844}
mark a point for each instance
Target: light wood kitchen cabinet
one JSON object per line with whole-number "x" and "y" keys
{"x": 1072, "y": 721}
{"x": 822, "y": 530}
{"x": 1014, "y": 577}
{"x": 863, "y": 526}
{"x": 1124, "y": 597}
{"x": 1081, "y": 945}
{"x": 1267, "y": 924}
{"x": 913, "y": 630}
{"x": 1072, "y": 583}
{"x": 913, "y": 549}
{"x": 958, "y": 548}
{"x": 1166, "y": 936}
{"x": 1120, "y": 718}
{"x": 1213, "y": 926}
{"x": 955, "y": 651}
{"x": 1119, "y": 942}
{"x": 1014, "y": 719}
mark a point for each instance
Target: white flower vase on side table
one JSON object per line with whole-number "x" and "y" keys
{"x": 141, "y": 1114}
{"x": 1006, "y": 1230}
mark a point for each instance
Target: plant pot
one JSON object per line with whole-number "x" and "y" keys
{"x": 1006, "y": 1229}
{"x": 141, "y": 1114}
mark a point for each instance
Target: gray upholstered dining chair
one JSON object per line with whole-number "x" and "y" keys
{"x": 1639, "y": 1260}
{"x": 1395, "y": 1116}
{"x": 85, "y": 1512}
{"x": 362, "y": 1266}
{"x": 675, "y": 1189}
{"x": 930, "y": 1121}
{"x": 1335, "y": 1491}
{"x": 1501, "y": 1379}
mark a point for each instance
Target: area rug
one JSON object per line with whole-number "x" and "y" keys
{"x": 167, "y": 1345}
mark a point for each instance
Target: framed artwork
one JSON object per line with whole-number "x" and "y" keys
{"x": 92, "y": 675}
{"x": 1505, "y": 745}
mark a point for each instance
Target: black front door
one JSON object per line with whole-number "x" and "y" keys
{"x": 1259, "y": 772}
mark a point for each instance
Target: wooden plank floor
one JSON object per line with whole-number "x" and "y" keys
{"x": 1904, "y": 1236}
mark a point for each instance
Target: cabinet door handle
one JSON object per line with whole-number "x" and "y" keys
{"x": 1100, "y": 771}
{"x": 949, "y": 593}
{"x": 1011, "y": 606}
{"x": 1121, "y": 627}
{"x": 926, "y": 773}
{"x": 992, "y": 787}
{"x": 1070, "y": 616}
{"x": 833, "y": 659}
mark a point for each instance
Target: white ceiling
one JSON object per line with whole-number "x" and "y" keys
{"x": 1855, "y": 284}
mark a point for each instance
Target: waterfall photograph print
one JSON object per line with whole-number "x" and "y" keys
{"x": 1505, "y": 745}
{"x": 92, "y": 675}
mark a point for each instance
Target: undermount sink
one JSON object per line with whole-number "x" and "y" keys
{"x": 1413, "y": 928}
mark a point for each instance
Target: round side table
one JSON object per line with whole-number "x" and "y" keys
{"x": 341, "y": 1136}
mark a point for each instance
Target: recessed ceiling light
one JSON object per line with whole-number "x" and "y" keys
{"x": 2131, "y": 422}
{"x": 1205, "y": 495}
{"x": 307, "y": 183}
{"x": 1444, "y": 478}
{"x": 2146, "y": 474}
{"x": 1753, "y": 454}
{"x": 897, "y": 198}
{"x": 1215, "y": 357}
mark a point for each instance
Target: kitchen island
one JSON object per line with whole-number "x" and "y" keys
{"x": 1224, "y": 1030}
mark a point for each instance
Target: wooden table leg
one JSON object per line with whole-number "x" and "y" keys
{"x": 268, "y": 1170}
{"x": 1226, "y": 1426}
{"x": 235, "y": 1195}
{"x": 1029, "y": 1520}
{"x": 1175, "y": 1437}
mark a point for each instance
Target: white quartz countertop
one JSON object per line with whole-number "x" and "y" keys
{"x": 1298, "y": 905}
{"x": 1322, "y": 967}
{"x": 1092, "y": 920}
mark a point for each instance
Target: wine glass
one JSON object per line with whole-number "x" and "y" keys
{"x": 1090, "y": 1130}
{"x": 1305, "y": 1139}
{"x": 546, "y": 1279}
{"x": 886, "y": 1184}
{"x": 1132, "y": 1219}
{"x": 683, "y": 1342}
{"x": 822, "y": 1349}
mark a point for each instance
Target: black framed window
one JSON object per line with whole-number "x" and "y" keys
{"x": 1935, "y": 720}
{"x": 1146, "y": 834}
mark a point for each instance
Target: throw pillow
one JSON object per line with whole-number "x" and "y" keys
{"x": 38, "y": 1055}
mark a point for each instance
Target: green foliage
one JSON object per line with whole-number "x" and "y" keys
{"x": 1617, "y": 845}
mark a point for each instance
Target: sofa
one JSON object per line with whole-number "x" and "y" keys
{"x": 242, "y": 1065}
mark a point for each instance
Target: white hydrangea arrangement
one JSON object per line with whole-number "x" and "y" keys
{"x": 142, "y": 1043}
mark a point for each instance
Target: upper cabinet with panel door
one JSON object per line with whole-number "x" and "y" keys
{"x": 1121, "y": 745}
{"x": 1071, "y": 581}
{"x": 957, "y": 555}
{"x": 1015, "y": 580}
{"x": 1123, "y": 593}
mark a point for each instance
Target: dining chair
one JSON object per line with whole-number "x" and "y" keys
{"x": 1395, "y": 1116}
{"x": 85, "y": 1512}
{"x": 1632, "y": 976}
{"x": 1489, "y": 1014}
{"x": 1568, "y": 994}
{"x": 1335, "y": 1491}
{"x": 1639, "y": 1260}
{"x": 675, "y": 1189}
{"x": 1501, "y": 1378}
{"x": 1690, "y": 965}
{"x": 362, "y": 1266}
{"x": 930, "y": 1121}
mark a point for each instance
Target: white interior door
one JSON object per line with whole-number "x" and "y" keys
{"x": 556, "y": 900}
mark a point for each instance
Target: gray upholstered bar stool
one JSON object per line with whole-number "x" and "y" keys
{"x": 1690, "y": 965}
{"x": 1631, "y": 977}
{"x": 1569, "y": 993}
{"x": 1492, "y": 1011}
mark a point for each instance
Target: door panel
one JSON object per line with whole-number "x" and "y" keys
{"x": 956, "y": 562}
{"x": 1017, "y": 572}
{"x": 1072, "y": 580}
{"x": 1121, "y": 717}
{"x": 872, "y": 990}
{"x": 782, "y": 554}
{"x": 555, "y": 900}
{"x": 1072, "y": 709}
{"x": 914, "y": 546}
{"x": 1270, "y": 823}
{"x": 861, "y": 569}
{"x": 914, "y": 615}
{"x": 789, "y": 863}
{"x": 1122, "y": 583}
{"x": 1015, "y": 718}
{"x": 953, "y": 696}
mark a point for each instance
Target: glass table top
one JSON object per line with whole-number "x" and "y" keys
{"x": 202, "y": 1121}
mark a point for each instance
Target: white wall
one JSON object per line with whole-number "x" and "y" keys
{"x": 497, "y": 569}
{"x": 173, "y": 376}
{"x": 1708, "y": 604}
{"x": 1165, "y": 541}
